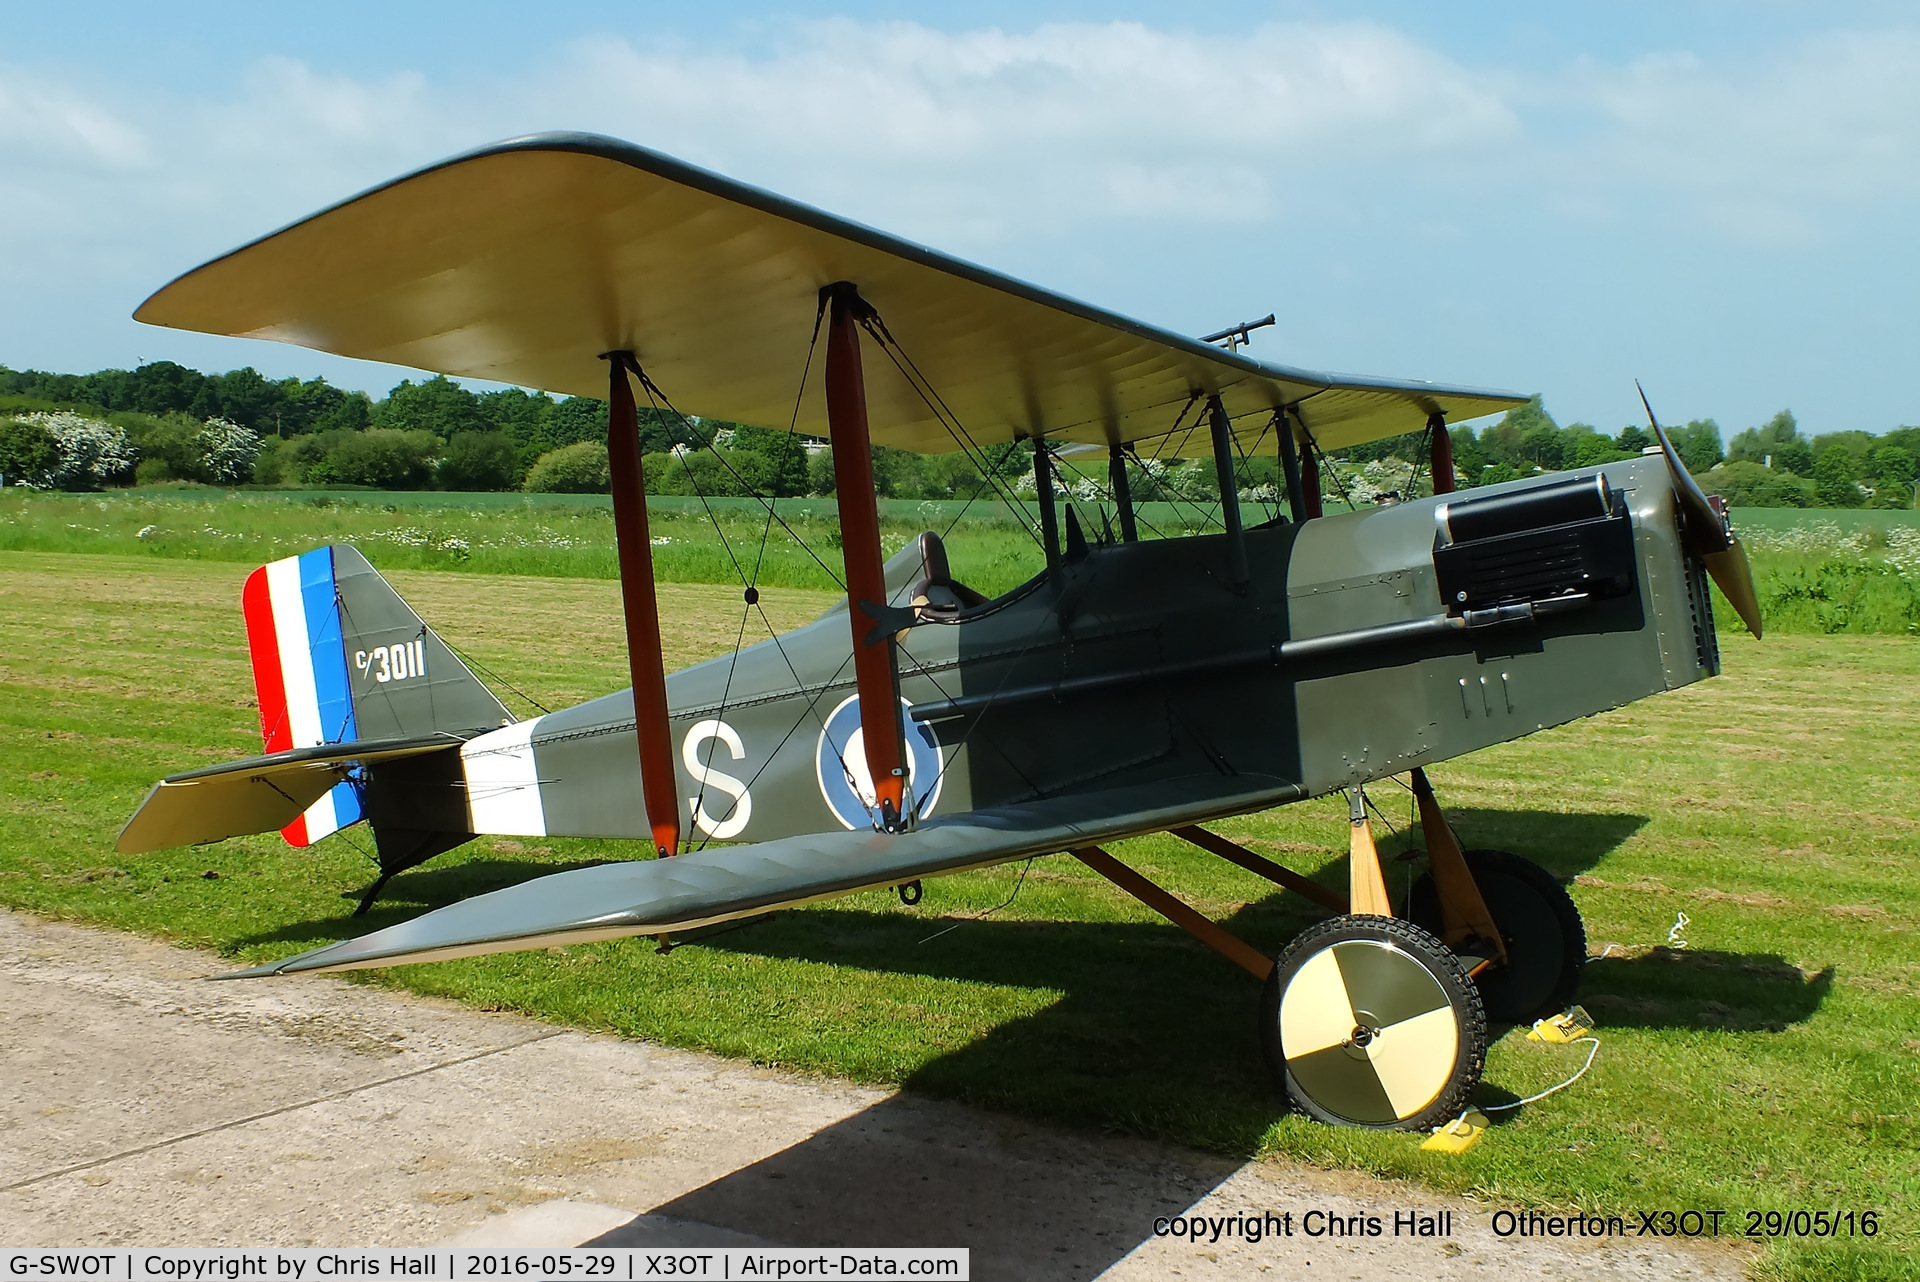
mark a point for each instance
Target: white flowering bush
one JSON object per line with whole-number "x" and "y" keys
{"x": 1903, "y": 550}
{"x": 1378, "y": 479}
{"x": 1265, "y": 493}
{"x": 1826, "y": 541}
{"x": 1194, "y": 480}
{"x": 1815, "y": 538}
{"x": 1088, "y": 490}
{"x": 230, "y": 450}
{"x": 92, "y": 453}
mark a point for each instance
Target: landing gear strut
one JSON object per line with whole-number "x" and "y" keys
{"x": 1380, "y": 1021}
{"x": 1376, "y": 1020}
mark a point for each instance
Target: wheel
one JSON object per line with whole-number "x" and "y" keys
{"x": 1536, "y": 918}
{"x": 1371, "y": 1021}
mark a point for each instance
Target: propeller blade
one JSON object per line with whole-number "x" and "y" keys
{"x": 1729, "y": 569}
{"x": 1705, "y": 532}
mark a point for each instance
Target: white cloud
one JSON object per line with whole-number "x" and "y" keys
{"x": 1078, "y": 122}
{"x": 46, "y": 122}
{"x": 1336, "y": 166}
{"x": 989, "y": 135}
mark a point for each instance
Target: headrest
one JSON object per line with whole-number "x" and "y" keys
{"x": 933, "y": 554}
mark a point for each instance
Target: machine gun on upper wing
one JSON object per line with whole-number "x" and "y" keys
{"x": 1134, "y": 686}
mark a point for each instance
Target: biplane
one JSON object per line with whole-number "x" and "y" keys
{"x": 921, "y": 728}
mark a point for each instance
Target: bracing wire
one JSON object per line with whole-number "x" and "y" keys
{"x": 793, "y": 422}
{"x": 812, "y": 709}
{"x": 1413, "y": 478}
{"x": 1326, "y": 466}
{"x": 982, "y": 916}
{"x": 944, "y": 415}
{"x": 1174, "y": 500}
{"x": 726, "y": 692}
{"x": 975, "y": 492}
{"x": 1128, "y": 451}
{"x": 749, "y": 581}
{"x": 1139, "y": 519}
{"x": 654, "y": 391}
{"x": 726, "y": 544}
{"x": 1391, "y": 830}
{"x": 1194, "y": 524}
{"x": 490, "y": 674}
{"x": 1267, "y": 512}
{"x": 967, "y": 735}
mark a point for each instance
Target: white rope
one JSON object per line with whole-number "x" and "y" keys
{"x": 1592, "y": 1041}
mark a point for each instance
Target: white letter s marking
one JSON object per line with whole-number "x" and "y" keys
{"x": 705, "y": 777}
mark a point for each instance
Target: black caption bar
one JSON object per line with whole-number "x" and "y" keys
{"x": 614, "y": 1264}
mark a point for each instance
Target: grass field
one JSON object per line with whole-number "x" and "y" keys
{"x": 1770, "y": 1065}
{"x": 1818, "y": 572}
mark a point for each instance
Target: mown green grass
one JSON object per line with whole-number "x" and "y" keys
{"x": 1848, "y": 519}
{"x": 1818, "y": 573}
{"x": 1770, "y": 1065}
{"x": 561, "y": 536}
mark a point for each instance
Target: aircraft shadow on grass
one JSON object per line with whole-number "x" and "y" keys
{"x": 411, "y": 894}
{"x": 1699, "y": 989}
{"x": 1148, "y": 1024}
{"x": 1564, "y": 844}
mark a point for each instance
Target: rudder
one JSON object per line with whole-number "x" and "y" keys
{"x": 338, "y": 657}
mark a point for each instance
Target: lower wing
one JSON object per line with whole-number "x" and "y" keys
{"x": 652, "y": 897}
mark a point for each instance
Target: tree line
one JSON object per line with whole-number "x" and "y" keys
{"x": 164, "y": 422}
{"x": 1771, "y": 465}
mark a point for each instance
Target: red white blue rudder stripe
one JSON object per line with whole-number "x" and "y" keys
{"x": 300, "y": 672}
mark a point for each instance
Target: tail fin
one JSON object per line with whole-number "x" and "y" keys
{"x": 339, "y": 657}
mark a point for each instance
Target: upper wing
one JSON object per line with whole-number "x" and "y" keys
{"x": 259, "y": 794}
{"x": 521, "y": 262}
{"x": 651, "y": 897}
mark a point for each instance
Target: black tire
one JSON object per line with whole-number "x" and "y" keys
{"x": 1373, "y": 1022}
{"x": 1546, "y": 941}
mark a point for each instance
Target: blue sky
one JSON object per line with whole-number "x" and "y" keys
{"x": 1716, "y": 198}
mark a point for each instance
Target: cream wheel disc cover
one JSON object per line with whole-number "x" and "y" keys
{"x": 1368, "y": 1032}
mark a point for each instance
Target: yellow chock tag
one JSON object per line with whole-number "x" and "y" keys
{"x": 1458, "y": 1135}
{"x": 1569, "y": 1026}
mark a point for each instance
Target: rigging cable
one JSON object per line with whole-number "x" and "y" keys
{"x": 793, "y": 422}
{"x": 944, "y": 415}
{"x": 1413, "y": 477}
{"x": 1326, "y": 466}
{"x": 982, "y": 916}
{"x": 943, "y": 412}
{"x": 654, "y": 391}
{"x": 490, "y": 674}
{"x": 1267, "y": 512}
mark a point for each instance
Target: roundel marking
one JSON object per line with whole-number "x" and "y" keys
{"x": 840, "y": 764}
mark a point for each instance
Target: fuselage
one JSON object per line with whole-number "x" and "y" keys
{"x": 1133, "y": 662}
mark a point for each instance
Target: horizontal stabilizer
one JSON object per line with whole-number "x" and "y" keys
{"x": 651, "y": 897}
{"x": 260, "y": 794}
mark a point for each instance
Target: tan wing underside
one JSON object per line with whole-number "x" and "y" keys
{"x": 522, "y": 262}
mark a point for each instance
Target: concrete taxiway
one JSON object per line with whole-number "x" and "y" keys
{"x": 142, "y": 1106}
